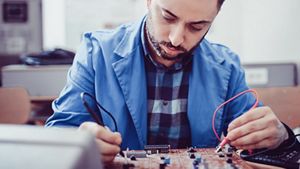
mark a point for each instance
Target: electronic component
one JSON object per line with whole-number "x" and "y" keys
{"x": 198, "y": 158}
{"x": 136, "y": 154}
{"x": 162, "y": 166}
{"x": 180, "y": 158}
{"x": 167, "y": 160}
{"x": 221, "y": 145}
{"x": 164, "y": 162}
{"x": 229, "y": 160}
{"x": 191, "y": 150}
{"x": 132, "y": 158}
{"x": 151, "y": 149}
{"x": 192, "y": 156}
{"x": 197, "y": 161}
{"x": 228, "y": 150}
{"x": 221, "y": 154}
{"x": 225, "y": 149}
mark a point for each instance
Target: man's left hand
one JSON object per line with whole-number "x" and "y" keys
{"x": 257, "y": 128}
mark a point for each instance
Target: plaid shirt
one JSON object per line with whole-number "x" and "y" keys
{"x": 167, "y": 90}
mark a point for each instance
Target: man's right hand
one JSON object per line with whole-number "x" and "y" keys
{"x": 108, "y": 142}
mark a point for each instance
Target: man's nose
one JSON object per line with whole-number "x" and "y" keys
{"x": 176, "y": 35}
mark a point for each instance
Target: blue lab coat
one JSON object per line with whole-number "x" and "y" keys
{"x": 110, "y": 65}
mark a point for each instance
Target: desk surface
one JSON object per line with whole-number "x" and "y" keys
{"x": 181, "y": 159}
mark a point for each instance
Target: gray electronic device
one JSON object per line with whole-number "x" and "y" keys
{"x": 33, "y": 147}
{"x": 271, "y": 74}
{"x": 21, "y": 27}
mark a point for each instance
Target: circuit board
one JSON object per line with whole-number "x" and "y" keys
{"x": 181, "y": 158}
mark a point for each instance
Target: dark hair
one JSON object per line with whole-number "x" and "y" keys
{"x": 220, "y": 2}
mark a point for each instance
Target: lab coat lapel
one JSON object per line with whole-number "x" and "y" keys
{"x": 130, "y": 72}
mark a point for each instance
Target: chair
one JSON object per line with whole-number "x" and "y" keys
{"x": 14, "y": 105}
{"x": 285, "y": 103}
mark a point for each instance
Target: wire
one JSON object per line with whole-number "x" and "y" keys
{"x": 97, "y": 118}
{"x": 229, "y": 100}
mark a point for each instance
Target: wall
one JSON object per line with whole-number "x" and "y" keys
{"x": 54, "y": 31}
{"x": 64, "y": 28}
{"x": 258, "y": 30}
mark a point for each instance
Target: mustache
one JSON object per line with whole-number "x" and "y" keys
{"x": 169, "y": 45}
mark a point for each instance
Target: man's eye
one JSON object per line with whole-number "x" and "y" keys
{"x": 195, "y": 28}
{"x": 168, "y": 19}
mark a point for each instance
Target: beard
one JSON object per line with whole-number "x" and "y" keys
{"x": 156, "y": 45}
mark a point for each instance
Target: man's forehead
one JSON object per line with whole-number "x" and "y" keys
{"x": 191, "y": 10}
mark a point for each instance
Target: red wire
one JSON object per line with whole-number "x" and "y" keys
{"x": 229, "y": 100}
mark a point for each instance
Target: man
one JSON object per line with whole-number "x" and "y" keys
{"x": 162, "y": 81}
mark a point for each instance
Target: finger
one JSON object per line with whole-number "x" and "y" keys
{"x": 109, "y": 136}
{"x": 251, "y": 138}
{"x": 250, "y": 127}
{"x": 266, "y": 143}
{"x": 107, "y": 128}
{"x": 251, "y": 115}
{"x": 102, "y": 133}
{"x": 106, "y": 148}
{"x": 107, "y": 158}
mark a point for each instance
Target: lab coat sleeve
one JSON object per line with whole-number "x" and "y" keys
{"x": 68, "y": 108}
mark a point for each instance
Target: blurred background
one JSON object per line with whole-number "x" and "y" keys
{"x": 38, "y": 39}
